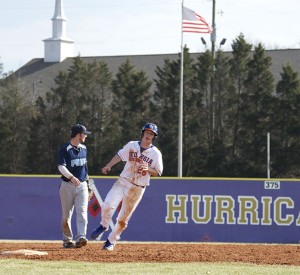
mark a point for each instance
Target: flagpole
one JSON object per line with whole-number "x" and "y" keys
{"x": 193, "y": 23}
{"x": 212, "y": 96}
{"x": 180, "y": 123}
{"x": 268, "y": 155}
{"x": 213, "y": 35}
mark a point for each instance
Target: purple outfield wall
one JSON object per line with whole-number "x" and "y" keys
{"x": 181, "y": 210}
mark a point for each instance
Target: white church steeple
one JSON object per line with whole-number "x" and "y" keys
{"x": 58, "y": 47}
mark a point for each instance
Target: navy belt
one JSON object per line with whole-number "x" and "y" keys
{"x": 137, "y": 185}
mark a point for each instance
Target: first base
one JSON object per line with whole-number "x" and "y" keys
{"x": 25, "y": 252}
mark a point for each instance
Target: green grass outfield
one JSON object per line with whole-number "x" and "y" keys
{"x": 11, "y": 266}
{"x": 24, "y": 267}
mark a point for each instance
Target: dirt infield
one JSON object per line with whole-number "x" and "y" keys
{"x": 160, "y": 252}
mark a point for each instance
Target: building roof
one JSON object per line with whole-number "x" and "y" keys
{"x": 43, "y": 74}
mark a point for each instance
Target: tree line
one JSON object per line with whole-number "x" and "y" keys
{"x": 230, "y": 103}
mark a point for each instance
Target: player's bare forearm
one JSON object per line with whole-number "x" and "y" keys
{"x": 151, "y": 171}
{"x": 109, "y": 165}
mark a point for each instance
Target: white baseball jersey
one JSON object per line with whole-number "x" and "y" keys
{"x": 131, "y": 153}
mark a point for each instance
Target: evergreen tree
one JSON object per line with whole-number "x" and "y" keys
{"x": 285, "y": 141}
{"x": 61, "y": 114}
{"x": 204, "y": 80}
{"x": 204, "y": 70}
{"x": 166, "y": 97}
{"x": 81, "y": 96}
{"x": 229, "y": 105}
{"x": 99, "y": 115}
{"x": 239, "y": 70}
{"x": 131, "y": 95}
{"x": 15, "y": 111}
{"x": 41, "y": 158}
{"x": 217, "y": 157}
{"x": 1, "y": 71}
{"x": 256, "y": 109}
{"x": 193, "y": 112}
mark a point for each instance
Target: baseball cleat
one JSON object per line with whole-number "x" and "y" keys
{"x": 97, "y": 231}
{"x": 68, "y": 244}
{"x": 108, "y": 246}
{"x": 81, "y": 242}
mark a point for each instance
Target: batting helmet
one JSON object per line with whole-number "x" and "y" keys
{"x": 152, "y": 127}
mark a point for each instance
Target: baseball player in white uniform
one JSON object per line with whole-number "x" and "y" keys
{"x": 143, "y": 160}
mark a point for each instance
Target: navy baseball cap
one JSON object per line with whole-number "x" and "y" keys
{"x": 79, "y": 129}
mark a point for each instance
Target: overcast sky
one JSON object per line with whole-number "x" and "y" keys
{"x": 136, "y": 27}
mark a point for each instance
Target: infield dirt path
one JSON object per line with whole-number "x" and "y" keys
{"x": 160, "y": 252}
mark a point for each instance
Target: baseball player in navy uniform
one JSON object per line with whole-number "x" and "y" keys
{"x": 143, "y": 160}
{"x": 74, "y": 192}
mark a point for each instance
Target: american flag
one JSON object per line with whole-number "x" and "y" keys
{"x": 193, "y": 22}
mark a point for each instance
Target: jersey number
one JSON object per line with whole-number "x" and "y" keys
{"x": 141, "y": 171}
